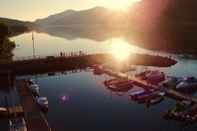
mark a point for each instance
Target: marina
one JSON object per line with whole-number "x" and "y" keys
{"x": 127, "y": 65}
{"x": 34, "y": 117}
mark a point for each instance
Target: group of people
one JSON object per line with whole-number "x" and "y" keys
{"x": 63, "y": 54}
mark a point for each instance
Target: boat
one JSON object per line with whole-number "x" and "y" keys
{"x": 154, "y": 77}
{"x": 142, "y": 96}
{"x": 137, "y": 93}
{"x": 43, "y": 103}
{"x": 187, "y": 84}
{"x": 35, "y": 89}
{"x": 155, "y": 100}
{"x": 31, "y": 82}
{"x": 3, "y": 112}
{"x": 51, "y": 74}
{"x": 119, "y": 85}
{"x": 17, "y": 124}
{"x": 122, "y": 88}
{"x": 97, "y": 70}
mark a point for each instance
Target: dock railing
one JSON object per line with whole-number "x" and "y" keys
{"x": 39, "y": 57}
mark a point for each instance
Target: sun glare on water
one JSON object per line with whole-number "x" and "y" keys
{"x": 120, "y": 49}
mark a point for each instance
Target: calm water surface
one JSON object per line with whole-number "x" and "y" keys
{"x": 88, "y": 104}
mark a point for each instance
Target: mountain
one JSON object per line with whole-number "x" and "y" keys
{"x": 98, "y": 16}
{"x": 16, "y": 26}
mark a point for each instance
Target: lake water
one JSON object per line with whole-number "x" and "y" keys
{"x": 80, "y": 101}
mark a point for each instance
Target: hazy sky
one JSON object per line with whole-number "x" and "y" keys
{"x": 33, "y": 9}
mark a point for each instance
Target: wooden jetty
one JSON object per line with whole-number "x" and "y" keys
{"x": 35, "y": 119}
{"x": 121, "y": 75}
{"x": 11, "y": 112}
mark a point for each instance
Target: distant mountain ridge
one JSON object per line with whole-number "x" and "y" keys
{"x": 94, "y": 16}
{"x": 159, "y": 24}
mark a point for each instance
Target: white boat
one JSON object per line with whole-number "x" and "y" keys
{"x": 31, "y": 82}
{"x": 17, "y": 124}
{"x": 42, "y": 102}
{"x": 35, "y": 89}
{"x": 137, "y": 93}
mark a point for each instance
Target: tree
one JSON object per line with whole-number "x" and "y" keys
{"x": 4, "y": 31}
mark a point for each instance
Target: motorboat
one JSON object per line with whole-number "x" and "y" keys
{"x": 31, "y": 82}
{"x": 35, "y": 89}
{"x": 17, "y": 124}
{"x": 43, "y": 103}
{"x": 187, "y": 83}
{"x": 142, "y": 96}
{"x": 137, "y": 93}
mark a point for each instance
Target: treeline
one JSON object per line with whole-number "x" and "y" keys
{"x": 6, "y": 46}
{"x": 179, "y": 22}
{"x": 16, "y": 27}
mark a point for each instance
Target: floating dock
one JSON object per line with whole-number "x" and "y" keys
{"x": 35, "y": 119}
{"x": 142, "y": 83}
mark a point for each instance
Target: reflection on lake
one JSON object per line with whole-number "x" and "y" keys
{"x": 81, "y": 101}
{"x": 55, "y": 45}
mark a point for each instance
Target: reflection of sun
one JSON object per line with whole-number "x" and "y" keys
{"x": 122, "y": 4}
{"x": 120, "y": 49}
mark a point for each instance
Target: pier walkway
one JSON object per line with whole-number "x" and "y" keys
{"x": 77, "y": 60}
{"x": 180, "y": 96}
{"x": 42, "y": 65}
{"x": 35, "y": 119}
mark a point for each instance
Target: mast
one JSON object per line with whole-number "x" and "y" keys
{"x": 33, "y": 42}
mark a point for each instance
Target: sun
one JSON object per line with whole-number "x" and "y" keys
{"x": 120, "y": 49}
{"x": 121, "y": 4}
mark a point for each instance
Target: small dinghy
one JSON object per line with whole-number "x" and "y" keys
{"x": 43, "y": 103}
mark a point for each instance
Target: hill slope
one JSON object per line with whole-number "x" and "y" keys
{"x": 16, "y": 26}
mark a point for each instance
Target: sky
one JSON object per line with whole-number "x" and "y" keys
{"x": 30, "y": 10}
